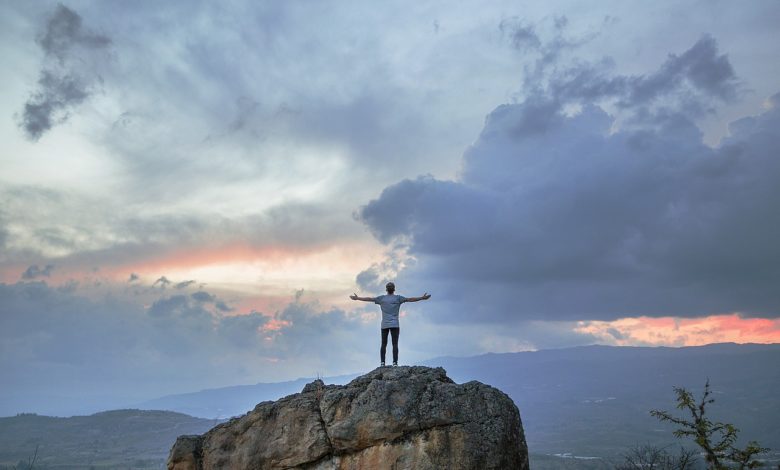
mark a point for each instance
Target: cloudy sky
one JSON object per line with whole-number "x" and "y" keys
{"x": 189, "y": 191}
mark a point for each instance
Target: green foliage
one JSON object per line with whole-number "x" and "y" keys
{"x": 716, "y": 439}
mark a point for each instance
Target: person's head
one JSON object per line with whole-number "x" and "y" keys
{"x": 390, "y": 287}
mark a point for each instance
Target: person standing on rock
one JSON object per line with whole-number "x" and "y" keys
{"x": 391, "y": 306}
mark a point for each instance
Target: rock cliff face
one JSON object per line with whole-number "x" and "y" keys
{"x": 390, "y": 418}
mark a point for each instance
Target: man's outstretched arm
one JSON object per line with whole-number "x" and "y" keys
{"x": 364, "y": 299}
{"x": 425, "y": 296}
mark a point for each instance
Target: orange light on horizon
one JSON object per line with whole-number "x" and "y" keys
{"x": 274, "y": 324}
{"x": 239, "y": 267}
{"x": 225, "y": 254}
{"x": 676, "y": 331}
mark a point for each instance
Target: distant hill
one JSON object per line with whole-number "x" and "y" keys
{"x": 112, "y": 439}
{"x": 594, "y": 400}
{"x": 225, "y": 402}
{"x": 591, "y": 401}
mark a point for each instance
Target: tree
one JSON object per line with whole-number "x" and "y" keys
{"x": 648, "y": 457}
{"x": 715, "y": 439}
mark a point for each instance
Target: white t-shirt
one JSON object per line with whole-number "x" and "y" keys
{"x": 391, "y": 306}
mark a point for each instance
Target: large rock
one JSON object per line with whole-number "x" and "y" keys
{"x": 390, "y": 418}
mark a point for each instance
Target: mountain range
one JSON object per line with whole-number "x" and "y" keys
{"x": 587, "y": 405}
{"x": 589, "y": 401}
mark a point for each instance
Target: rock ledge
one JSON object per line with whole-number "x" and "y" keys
{"x": 391, "y": 418}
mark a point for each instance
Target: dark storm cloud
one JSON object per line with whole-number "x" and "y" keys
{"x": 205, "y": 297}
{"x": 243, "y": 330}
{"x": 64, "y": 31}
{"x": 184, "y": 284}
{"x": 376, "y": 276}
{"x": 693, "y": 78}
{"x": 548, "y": 40}
{"x": 102, "y": 348}
{"x": 687, "y": 82}
{"x": 368, "y": 279}
{"x": 33, "y": 272}
{"x": 561, "y": 216}
{"x": 162, "y": 281}
{"x": 202, "y": 296}
{"x": 701, "y": 66}
{"x": 196, "y": 321}
{"x": 175, "y": 305}
{"x": 322, "y": 335}
{"x": 522, "y": 35}
{"x": 67, "y": 77}
{"x": 55, "y": 94}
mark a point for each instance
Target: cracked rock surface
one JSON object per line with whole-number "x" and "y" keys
{"x": 391, "y": 418}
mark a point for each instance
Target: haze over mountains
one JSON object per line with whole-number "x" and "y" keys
{"x": 112, "y": 439}
{"x": 591, "y": 401}
{"x": 225, "y": 402}
{"x": 595, "y": 400}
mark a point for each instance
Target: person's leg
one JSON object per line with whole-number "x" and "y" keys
{"x": 383, "y": 348}
{"x": 396, "y": 332}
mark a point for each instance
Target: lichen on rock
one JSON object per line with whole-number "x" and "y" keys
{"x": 400, "y": 418}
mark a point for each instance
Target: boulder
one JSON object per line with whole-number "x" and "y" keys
{"x": 391, "y": 418}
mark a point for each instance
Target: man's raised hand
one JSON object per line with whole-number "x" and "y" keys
{"x": 353, "y": 296}
{"x": 426, "y": 296}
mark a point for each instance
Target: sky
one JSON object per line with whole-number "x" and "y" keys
{"x": 190, "y": 191}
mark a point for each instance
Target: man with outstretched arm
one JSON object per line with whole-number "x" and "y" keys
{"x": 391, "y": 306}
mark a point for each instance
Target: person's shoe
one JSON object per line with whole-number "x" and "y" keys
{"x": 382, "y": 364}
{"x": 395, "y": 364}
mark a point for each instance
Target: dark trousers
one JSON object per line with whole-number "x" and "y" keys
{"x": 395, "y": 332}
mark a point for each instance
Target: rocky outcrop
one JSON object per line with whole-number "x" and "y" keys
{"x": 390, "y": 418}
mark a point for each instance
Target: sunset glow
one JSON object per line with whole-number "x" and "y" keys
{"x": 208, "y": 183}
{"x": 325, "y": 267}
{"x": 671, "y": 331}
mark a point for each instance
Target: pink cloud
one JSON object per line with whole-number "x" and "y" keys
{"x": 274, "y": 325}
{"x": 205, "y": 256}
{"x": 674, "y": 331}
